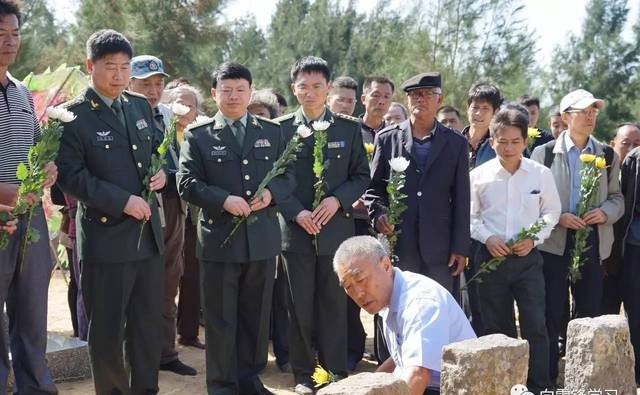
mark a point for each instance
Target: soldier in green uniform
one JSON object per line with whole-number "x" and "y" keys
{"x": 222, "y": 162}
{"x": 104, "y": 156}
{"x": 316, "y": 299}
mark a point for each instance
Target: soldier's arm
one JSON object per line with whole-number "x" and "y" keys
{"x": 376, "y": 197}
{"x": 353, "y": 188}
{"x": 460, "y": 231}
{"x": 191, "y": 178}
{"x": 75, "y": 179}
{"x": 283, "y": 185}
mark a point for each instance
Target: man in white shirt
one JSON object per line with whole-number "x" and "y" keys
{"x": 419, "y": 315}
{"x": 510, "y": 193}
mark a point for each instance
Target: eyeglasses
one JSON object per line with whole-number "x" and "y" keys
{"x": 585, "y": 111}
{"x": 420, "y": 94}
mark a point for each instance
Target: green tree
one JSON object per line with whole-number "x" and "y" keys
{"x": 601, "y": 61}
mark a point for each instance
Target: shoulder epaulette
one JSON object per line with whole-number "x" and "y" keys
{"x": 347, "y": 117}
{"x": 267, "y": 120}
{"x": 199, "y": 122}
{"x": 73, "y": 102}
{"x": 284, "y": 117}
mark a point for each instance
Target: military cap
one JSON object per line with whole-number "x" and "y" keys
{"x": 422, "y": 80}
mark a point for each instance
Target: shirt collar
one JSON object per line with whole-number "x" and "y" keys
{"x": 308, "y": 121}
{"x": 11, "y": 81}
{"x": 242, "y": 119}
{"x": 496, "y": 166}
{"x": 396, "y": 292}
{"x": 369, "y": 128}
{"x": 107, "y": 100}
{"x": 568, "y": 144}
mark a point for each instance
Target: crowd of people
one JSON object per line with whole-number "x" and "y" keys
{"x": 302, "y": 263}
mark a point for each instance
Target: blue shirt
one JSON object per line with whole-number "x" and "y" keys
{"x": 420, "y": 320}
{"x": 422, "y": 147}
{"x": 575, "y": 165}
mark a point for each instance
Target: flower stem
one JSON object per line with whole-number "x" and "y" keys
{"x": 24, "y": 242}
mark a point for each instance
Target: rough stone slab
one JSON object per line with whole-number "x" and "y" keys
{"x": 488, "y": 365}
{"x": 367, "y": 384}
{"x": 67, "y": 358}
{"x": 600, "y": 355}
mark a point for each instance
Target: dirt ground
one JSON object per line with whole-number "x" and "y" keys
{"x": 276, "y": 381}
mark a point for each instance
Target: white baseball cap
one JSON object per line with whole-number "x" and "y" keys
{"x": 579, "y": 100}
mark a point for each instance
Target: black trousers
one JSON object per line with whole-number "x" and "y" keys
{"x": 316, "y": 300}
{"x": 236, "y": 299}
{"x": 631, "y": 297}
{"x": 587, "y": 292}
{"x": 520, "y": 279}
{"x": 280, "y": 316}
{"x": 124, "y": 306}
{"x": 188, "y": 323}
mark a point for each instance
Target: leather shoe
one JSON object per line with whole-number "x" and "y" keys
{"x": 195, "y": 342}
{"x": 178, "y": 367}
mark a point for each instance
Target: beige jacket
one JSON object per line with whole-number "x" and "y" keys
{"x": 610, "y": 199}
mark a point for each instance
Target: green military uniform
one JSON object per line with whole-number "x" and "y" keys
{"x": 236, "y": 279}
{"x": 310, "y": 276}
{"x": 102, "y": 163}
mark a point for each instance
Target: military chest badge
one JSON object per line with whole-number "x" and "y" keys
{"x": 104, "y": 136}
{"x": 219, "y": 150}
{"x": 336, "y": 144}
{"x": 262, "y": 143}
{"x": 141, "y": 124}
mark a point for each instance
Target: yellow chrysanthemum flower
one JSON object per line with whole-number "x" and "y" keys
{"x": 601, "y": 162}
{"x": 321, "y": 376}
{"x": 369, "y": 148}
{"x": 533, "y": 133}
{"x": 587, "y": 158}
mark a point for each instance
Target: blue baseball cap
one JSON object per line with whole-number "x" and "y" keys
{"x": 144, "y": 66}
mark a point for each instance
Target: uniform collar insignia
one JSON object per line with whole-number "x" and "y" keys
{"x": 254, "y": 122}
{"x": 93, "y": 104}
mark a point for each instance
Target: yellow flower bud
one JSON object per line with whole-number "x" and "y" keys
{"x": 601, "y": 162}
{"x": 533, "y": 133}
{"x": 320, "y": 376}
{"x": 587, "y": 158}
{"x": 369, "y": 148}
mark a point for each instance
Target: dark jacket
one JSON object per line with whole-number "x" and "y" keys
{"x": 214, "y": 166}
{"x": 346, "y": 178}
{"x": 630, "y": 174}
{"x": 436, "y": 222}
{"x": 101, "y": 163}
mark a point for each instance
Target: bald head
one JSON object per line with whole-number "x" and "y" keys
{"x": 627, "y": 138}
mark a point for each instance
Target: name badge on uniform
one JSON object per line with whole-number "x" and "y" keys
{"x": 261, "y": 143}
{"x": 336, "y": 144}
{"x": 141, "y": 124}
{"x": 219, "y": 150}
{"x": 104, "y": 136}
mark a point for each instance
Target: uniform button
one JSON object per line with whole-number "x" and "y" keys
{"x": 245, "y": 162}
{"x": 148, "y": 137}
{"x": 266, "y": 158}
{"x": 347, "y": 215}
{"x": 106, "y": 146}
{"x": 219, "y": 160}
{"x": 140, "y": 165}
{"x": 248, "y": 193}
{"x": 338, "y": 156}
{"x": 419, "y": 193}
{"x": 246, "y": 177}
{"x": 103, "y": 220}
{"x": 135, "y": 147}
{"x": 210, "y": 222}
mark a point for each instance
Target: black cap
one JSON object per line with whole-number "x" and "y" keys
{"x": 422, "y": 80}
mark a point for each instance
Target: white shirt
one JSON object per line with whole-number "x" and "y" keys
{"x": 503, "y": 204}
{"x": 420, "y": 320}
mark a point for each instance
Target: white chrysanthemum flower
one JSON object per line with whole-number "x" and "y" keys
{"x": 321, "y": 125}
{"x": 399, "y": 164}
{"x": 60, "y": 114}
{"x": 304, "y": 131}
{"x": 202, "y": 118}
{"x": 179, "y": 109}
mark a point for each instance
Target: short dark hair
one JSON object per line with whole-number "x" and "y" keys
{"x": 485, "y": 92}
{"x": 345, "y": 82}
{"x": 527, "y": 101}
{"x": 11, "y": 7}
{"x": 448, "y": 109}
{"x": 107, "y": 42}
{"x": 634, "y": 124}
{"x": 267, "y": 99}
{"x": 512, "y": 114}
{"x": 230, "y": 71}
{"x": 282, "y": 101}
{"x": 370, "y": 79}
{"x": 310, "y": 64}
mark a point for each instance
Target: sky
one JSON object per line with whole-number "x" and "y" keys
{"x": 552, "y": 20}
